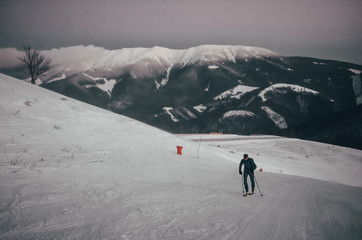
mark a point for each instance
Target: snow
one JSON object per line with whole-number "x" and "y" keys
{"x": 168, "y": 111}
{"x": 237, "y": 113}
{"x": 300, "y": 158}
{"x": 214, "y": 53}
{"x": 159, "y": 54}
{"x": 235, "y": 92}
{"x": 200, "y": 108}
{"x": 69, "y": 170}
{"x": 275, "y": 117}
{"x": 279, "y": 87}
{"x": 102, "y": 83}
{"x": 208, "y": 87}
{"x": 57, "y": 78}
{"x": 163, "y": 81}
{"x": 213, "y": 67}
{"x": 191, "y": 114}
{"x": 158, "y": 85}
{"x": 108, "y": 85}
{"x": 355, "y": 71}
{"x": 83, "y": 58}
{"x": 320, "y": 63}
{"x": 38, "y": 81}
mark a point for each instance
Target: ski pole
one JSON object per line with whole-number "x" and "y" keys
{"x": 242, "y": 181}
{"x": 257, "y": 185}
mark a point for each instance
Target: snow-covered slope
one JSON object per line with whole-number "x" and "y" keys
{"x": 69, "y": 170}
{"x": 285, "y": 87}
{"x": 235, "y": 92}
{"x": 293, "y": 156}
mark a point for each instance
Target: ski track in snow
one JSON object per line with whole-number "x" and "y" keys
{"x": 69, "y": 170}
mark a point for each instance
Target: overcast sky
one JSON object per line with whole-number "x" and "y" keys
{"x": 329, "y": 29}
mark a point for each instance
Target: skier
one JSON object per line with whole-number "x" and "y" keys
{"x": 249, "y": 167}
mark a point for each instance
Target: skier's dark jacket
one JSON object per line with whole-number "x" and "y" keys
{"x": 249, "y": 165}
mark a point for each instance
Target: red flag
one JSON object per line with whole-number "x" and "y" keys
{"x": 179, "y": 150}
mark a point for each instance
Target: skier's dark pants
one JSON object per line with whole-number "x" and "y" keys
{"x": 251, "y": 174}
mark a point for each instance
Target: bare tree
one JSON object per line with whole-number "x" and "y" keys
{"x": 33, "y": 63}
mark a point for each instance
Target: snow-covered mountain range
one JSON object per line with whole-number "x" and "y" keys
{"x": 211, "y": 88}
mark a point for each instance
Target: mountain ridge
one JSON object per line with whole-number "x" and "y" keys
{"x": 192, "y": 90}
